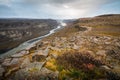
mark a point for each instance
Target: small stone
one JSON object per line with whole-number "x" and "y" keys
{"x": 48, "y": 58}
{"x": 101, "y": 53}
{"x": 107, "y": 43}
{"x": 91, "y": 53}
{"x": 95, "y": 40}
{"x": 54, "y": 56}
{"x": 55, "y": 48}
{"x": 75, "y": 47}
{"x": 105, "y": 67}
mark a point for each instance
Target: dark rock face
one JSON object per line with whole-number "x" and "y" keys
{"x": 113, "y": 76}
{"x": 15, "y": 31}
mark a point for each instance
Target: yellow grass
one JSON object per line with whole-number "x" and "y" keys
{"x": 51, "y": 64}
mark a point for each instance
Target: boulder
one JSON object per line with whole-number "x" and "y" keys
{"x": 91, "y": 53}
{"x": 76, "y": 47}
{"x": 46, "y": 51}
{"x": 38, "y": 58}
{"x": 101, "y": 53}
{"x": 40, "y": 55}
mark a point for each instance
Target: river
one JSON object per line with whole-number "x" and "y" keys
{"x": 28, "y": 44}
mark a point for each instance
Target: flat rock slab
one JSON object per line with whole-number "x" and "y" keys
{"x": 48, "y": 73}
{"x": 6, "y": 62}
{"x": 43, "y": 74}
{"x": 20, "y": 54}
{"x": 37, "y": 65}
{"x": 12, "y": 62}
{"x": 25, "y": 63}
{"x": 30, "y": 72}
{"x": 46, "y": 51}
{"x": 55, "y": 48}
{"x": 42, "y": 52}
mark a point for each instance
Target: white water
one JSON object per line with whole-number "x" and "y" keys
{"x": 28, "y": 44}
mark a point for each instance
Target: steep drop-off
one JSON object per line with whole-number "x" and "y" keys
{"x": 15, "y": 31}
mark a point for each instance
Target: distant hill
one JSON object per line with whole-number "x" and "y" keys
{"x": 102, "y": 20}
{"x": 108, "y": 15}
{"x": 103, "y": 24}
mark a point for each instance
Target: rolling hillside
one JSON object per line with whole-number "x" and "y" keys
{"x": 103, "y": 24}
{"x": 85, "y": 49}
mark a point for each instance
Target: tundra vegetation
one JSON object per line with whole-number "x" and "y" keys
{"x": 86, "y": 49}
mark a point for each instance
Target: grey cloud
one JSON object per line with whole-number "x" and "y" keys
{"x": 50, "y": 1}
{"x": 69, "y": 8}
{"x": 77, "y": 4}
{"x": 6, "y": 11}
{"x": 55, "y": 8}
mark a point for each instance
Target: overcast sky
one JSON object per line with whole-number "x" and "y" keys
{"x": 57, "y": 9}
